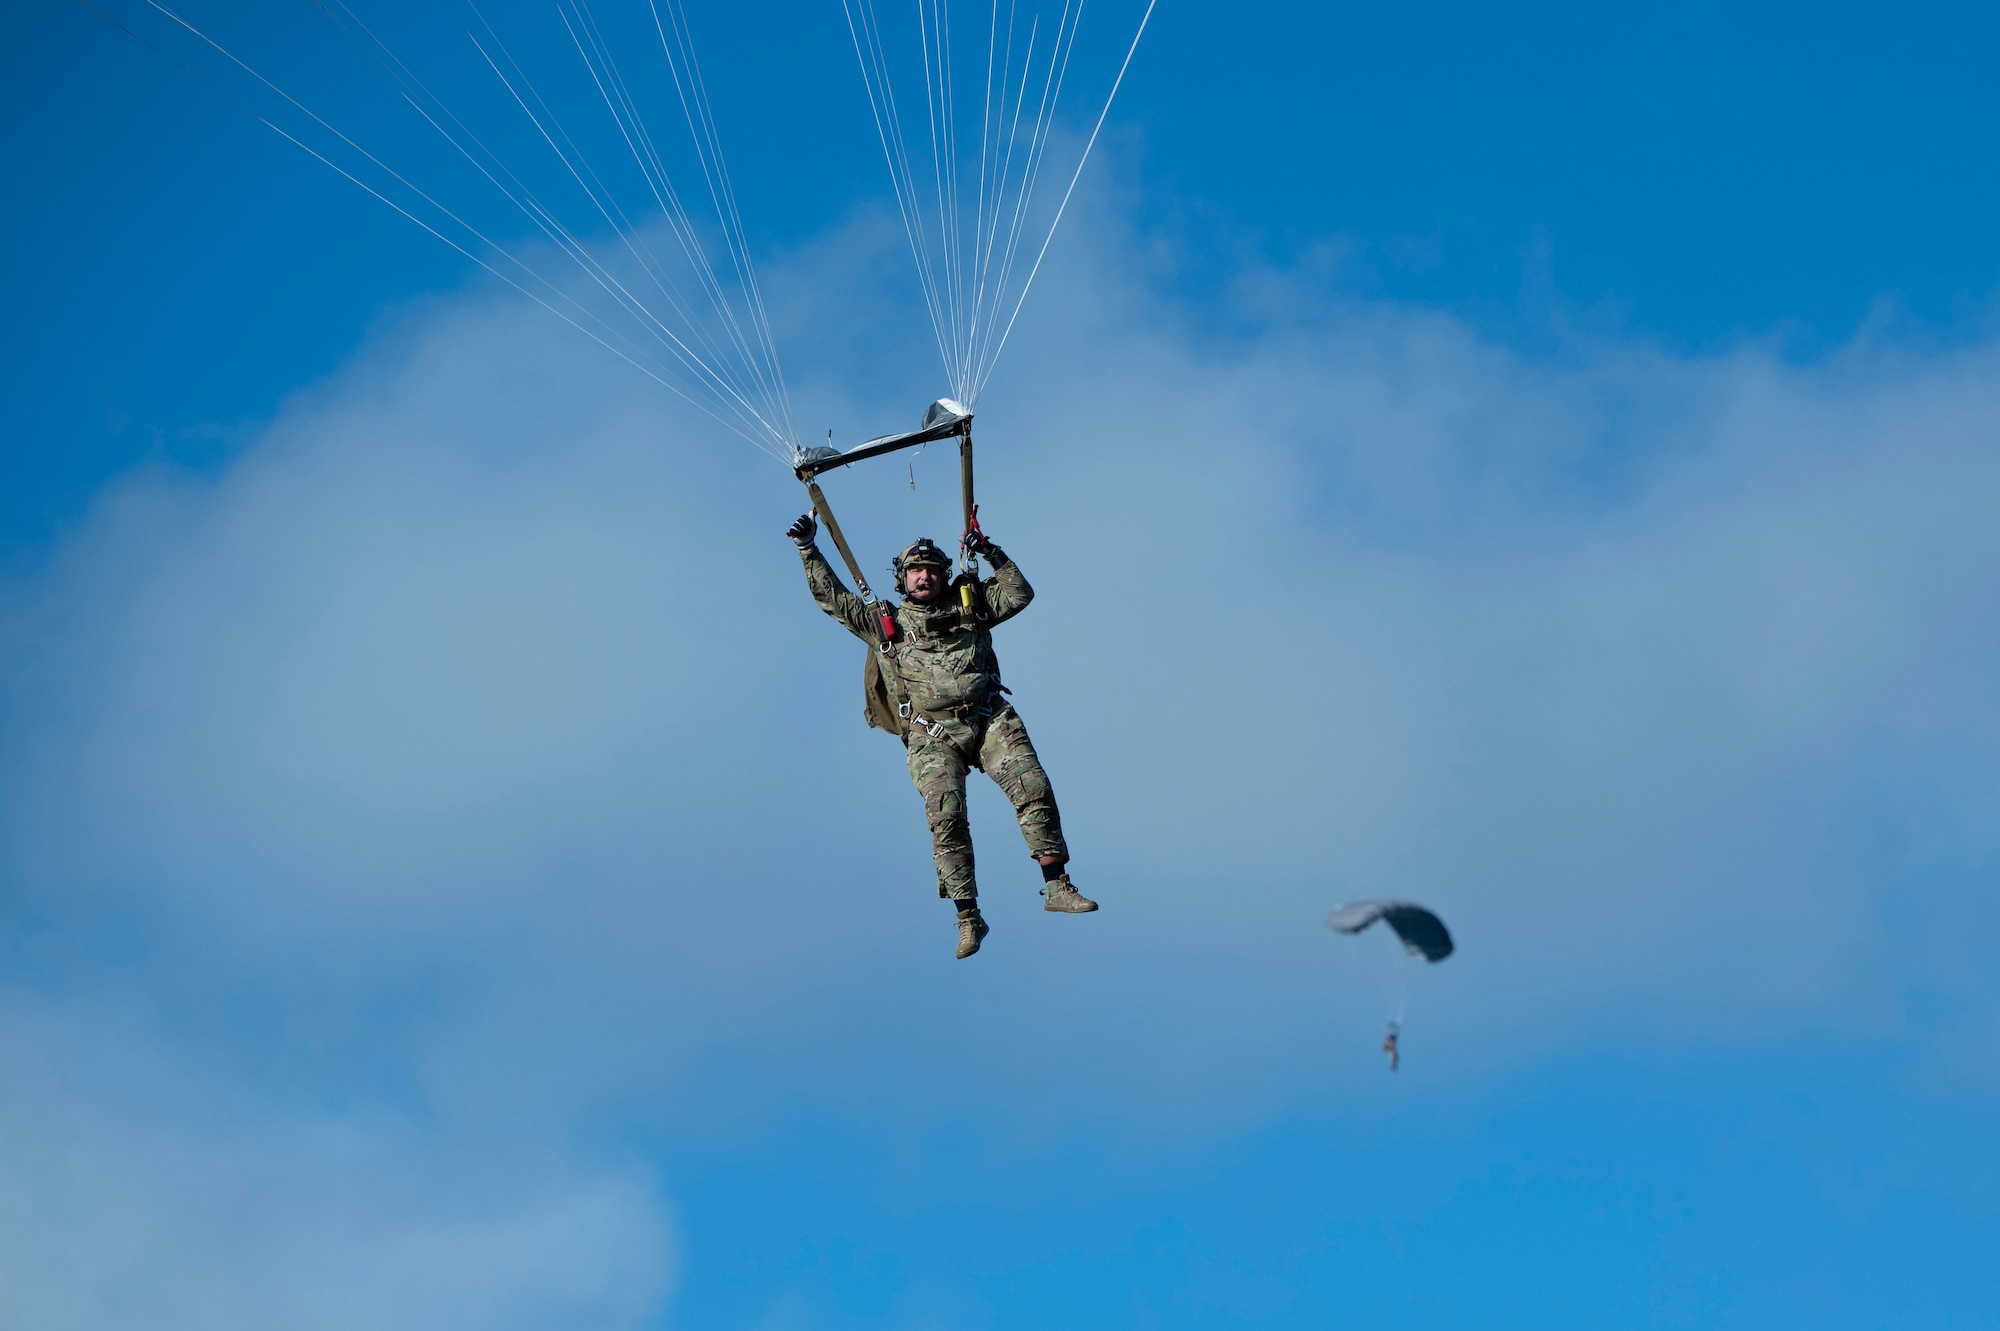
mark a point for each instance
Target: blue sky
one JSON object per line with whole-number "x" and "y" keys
{"x": 1692, "y": 173}
{"x": 1544, "y": 459}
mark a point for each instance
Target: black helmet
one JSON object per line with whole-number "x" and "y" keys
{"x": 924, "y": 551}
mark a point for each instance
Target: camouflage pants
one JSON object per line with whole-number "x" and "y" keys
{"x": 998, "y": 745}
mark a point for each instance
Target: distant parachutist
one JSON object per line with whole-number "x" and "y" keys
{"x": 1421, "y": 932}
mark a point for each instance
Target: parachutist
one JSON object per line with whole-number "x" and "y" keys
{"x": 934, "y": 680}
{"x": 1389, "y": 1047}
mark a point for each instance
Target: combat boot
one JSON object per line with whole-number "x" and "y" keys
{"x": 971, "y": 929}
{"x": 1061, "y": 895}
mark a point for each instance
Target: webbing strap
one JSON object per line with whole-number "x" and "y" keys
{"x": 881, "y": 646}
{"x": 965, "y": 474}
{"x": 840, "y": 542}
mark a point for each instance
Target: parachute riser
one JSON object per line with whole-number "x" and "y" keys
{"x": 965, "y": 484}
{"x": 825, "y": 510}
{"x": 968, "y": 587}
{"x": 809, "y": 469}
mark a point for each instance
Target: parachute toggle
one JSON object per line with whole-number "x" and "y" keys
{"x": 1423, "y": 933}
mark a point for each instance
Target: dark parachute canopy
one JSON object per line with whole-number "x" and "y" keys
{"x": 1423, "y": 933}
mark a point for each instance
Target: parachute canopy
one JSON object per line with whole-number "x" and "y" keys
{"x": 1423, "y": 933}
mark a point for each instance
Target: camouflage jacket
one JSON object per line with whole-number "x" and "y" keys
{"x": 943, "y": 661}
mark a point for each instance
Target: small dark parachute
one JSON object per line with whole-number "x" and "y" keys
{"x": 1423, "y": 933}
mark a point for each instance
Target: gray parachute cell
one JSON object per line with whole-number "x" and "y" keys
{"x": 1423, "y": 933}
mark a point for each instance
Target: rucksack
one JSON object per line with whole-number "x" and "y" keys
{"x": 876, "y": 704}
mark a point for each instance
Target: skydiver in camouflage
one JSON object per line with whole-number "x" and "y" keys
{"x": 952, "y": 710}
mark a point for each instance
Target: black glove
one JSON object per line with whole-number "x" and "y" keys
{"x": 977, "y": 542}
{"x": 803, "y": 531}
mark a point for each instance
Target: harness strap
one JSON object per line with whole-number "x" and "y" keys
{"x": 932, "y": 722}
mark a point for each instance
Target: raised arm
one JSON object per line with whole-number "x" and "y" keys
{"x": 1009, "y": 593}
{"x": 825, "y": 584}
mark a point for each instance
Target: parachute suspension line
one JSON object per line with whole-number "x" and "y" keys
{"x": 373, "y": 160}
{"x": 1000, "y": 143}
{"x": 1395, "y": 985}
{"x": 551, "y": 129}
{"x": 1058, "y": 69}
{"x": 488, "y": 164}
{"x": 1008, "y": 130}
{"x": 617, "y": 99}
{"x": 969, "y": 281}
{"x": 638, "y": 141}
{"x": 678, "y": 222}
{"x": 712, "y": 379}
{"x": 773, "y": 411}
{"x": 866, "y": 32}
{"x": 986, "y": 129}
{"x": 627, "y": 353}
{"x": 937, "y": 67}
{"x": 722, "y": 191}
{"x": 1074, "y": 177}
{"x": 974, "y": 319}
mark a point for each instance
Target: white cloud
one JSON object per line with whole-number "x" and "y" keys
{"x": 1669, "y": 681}
{"x": 140, "y": 1191}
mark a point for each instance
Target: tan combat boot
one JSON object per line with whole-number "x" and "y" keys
{"x": 1061, "y": 895}
{"x": 971, "y": 929}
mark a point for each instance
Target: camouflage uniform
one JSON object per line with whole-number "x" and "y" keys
{"x": 943, "y": 667}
